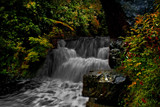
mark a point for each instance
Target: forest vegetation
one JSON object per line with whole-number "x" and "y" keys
{"x": 30, "y": 28}
{"x": 141, "y": 61}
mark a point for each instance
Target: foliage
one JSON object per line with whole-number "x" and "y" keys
{"x": 85, "y": 16}
{"x": 28, "y": 29}
{"x": 22, "y": 26}
{"x": 142, "y": 62}
{"x": 157, "y": 5}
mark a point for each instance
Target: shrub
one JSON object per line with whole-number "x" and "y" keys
{"x": 142, "y": 61}
{"x": 22, "y": 41}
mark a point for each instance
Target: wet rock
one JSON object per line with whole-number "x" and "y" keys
{"x": 106, "y": 86}
{"x": 115, "y": 53}
{"x": 61, "y": 43}
{"x": 116, "y": 44}
{"x": 74, "y": 97}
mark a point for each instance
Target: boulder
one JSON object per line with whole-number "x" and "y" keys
{"x": 106, "y": 87}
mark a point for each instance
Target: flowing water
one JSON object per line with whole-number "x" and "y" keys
{"x": 62, "y": 74}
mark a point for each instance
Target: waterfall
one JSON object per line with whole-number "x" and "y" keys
{"x": 55, "y": 59}
{"x": 75, "y": 68}
{"x": 88, "y": 46}
{"x": 62, "y": 71}
{"x": 103, "y": 53}
{"x": 72, "y": 59}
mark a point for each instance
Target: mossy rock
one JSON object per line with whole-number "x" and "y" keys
{"x": 106, "y": 86}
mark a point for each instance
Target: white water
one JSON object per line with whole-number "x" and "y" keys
{"x": 75, "y": 68}
{"x": 65, "y": 69}
{"x": 52, "y": 93}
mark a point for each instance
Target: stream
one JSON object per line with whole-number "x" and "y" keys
{"x": 62, "y": 74}
{"x": 51, "y": 93}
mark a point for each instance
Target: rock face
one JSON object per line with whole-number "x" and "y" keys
{"x": 132, "y": 8}
{"x": 106, "y": 86}
{"x": 115, "y": 53}
{"x": 120, "y": 14}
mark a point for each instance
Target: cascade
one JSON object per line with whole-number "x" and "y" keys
{"x": 63, "y": 71}
{"x": 77, "y": 58}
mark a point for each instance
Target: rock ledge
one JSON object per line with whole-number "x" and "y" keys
{"x": 106, "y": 87}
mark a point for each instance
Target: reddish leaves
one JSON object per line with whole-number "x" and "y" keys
{"x": 143, "y": 100}
{"x": 141, "y": 83}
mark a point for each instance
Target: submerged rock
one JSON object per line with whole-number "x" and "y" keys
{"x": 106, "y": 86}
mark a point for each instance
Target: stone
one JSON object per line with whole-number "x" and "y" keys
{"x": 132, "y": 8}
{"x": 106, "y": 86}
{"x": 61, "y": 43}
{"x": 115, "y": 53}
